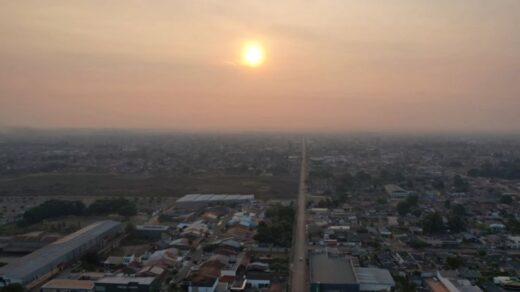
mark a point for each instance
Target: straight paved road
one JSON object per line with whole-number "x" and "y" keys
{"x": 299, "y": 269}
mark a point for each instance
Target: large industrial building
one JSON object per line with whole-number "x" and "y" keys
{"x": 333, "y": 273}
{"x": 200, "y": 200}
{"x": 49, "y": 259}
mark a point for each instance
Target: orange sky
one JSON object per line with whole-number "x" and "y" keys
{"x": 444, "y": 65}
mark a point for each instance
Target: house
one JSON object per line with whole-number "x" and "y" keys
{"x": 202, "y": 284}
{"x": 445, "y": 283}
{"x": 124, "y": 284}
{"x": 113, "y": 262}
{"x": 150, "y": 231}
{"x": 151, "y": 271}
{"x": 396, "y": 191}
{"x": 513, "y": 242}
{"x": 166, "y": 257}
{"x": 258, "y": 279}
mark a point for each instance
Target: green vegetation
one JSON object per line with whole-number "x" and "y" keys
{"x": 278, "y": 228}
{"x": 404, "y": 207}
{"x": 460, "y": 185}
{"x": 52, "y": 209}
{"x": 360, "y": 180}
{"x": 454, "y": 262}
{"x": 438, "y": 184}
{"x": 58, "y": 208}
{"x": 506, "y": 199}
{"x": 328, "y": 203}
{"x": 513, "y": 225}
{"x": 404, "y": 285}
{"x": 417, "y": 243}
{"x": 119, "y": 206}
{"x": 90, "y": 260}
{"x": 12, "y": 288}
{"x": 456, "y": 221}
{"x": 432, "y": 223}
{"x": 280, "y": 266}
{"x": 458, "y": 209}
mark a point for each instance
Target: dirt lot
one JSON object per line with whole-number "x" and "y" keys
{"x": 278, "y": 187}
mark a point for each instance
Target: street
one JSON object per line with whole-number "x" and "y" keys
{"x": 299, "y": 267}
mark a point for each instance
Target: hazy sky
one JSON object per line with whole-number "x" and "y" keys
{"x": 330, "y": 65}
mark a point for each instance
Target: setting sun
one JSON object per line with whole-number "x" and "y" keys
{"x": 253, "y": 55}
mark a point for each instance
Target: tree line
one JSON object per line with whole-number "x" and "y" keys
{"x": 58, "y": 208}
{"x": 277, "y": 229}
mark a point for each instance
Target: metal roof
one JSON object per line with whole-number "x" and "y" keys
{"x": 374, "y": 276}
{"x": 30, "y": 266}
{"x": 126, "y": 280}
{"x": 331, "y": 270}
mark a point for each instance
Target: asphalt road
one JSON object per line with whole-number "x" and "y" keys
{"x": 299, "y": 268}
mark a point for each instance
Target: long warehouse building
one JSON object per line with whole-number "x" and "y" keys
{"x": 45, "y": 261}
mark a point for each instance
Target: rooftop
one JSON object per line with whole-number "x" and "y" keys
{"x": 52, "y": 254}
{"x": 435, "y": 285}
{"x": 126, "y": 280}
{"x": 331, "y": 270}
{"x": 374, "y": 276}
{"x": 69, "y": 284}
{"x": 152, "y": 227}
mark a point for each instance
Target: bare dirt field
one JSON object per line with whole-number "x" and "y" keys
{"x": 265, "y": 187}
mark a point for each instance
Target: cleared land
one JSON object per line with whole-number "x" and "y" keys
{"x": 265, "y": 187}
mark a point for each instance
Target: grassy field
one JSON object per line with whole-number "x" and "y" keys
{"x": 119, "y": 185}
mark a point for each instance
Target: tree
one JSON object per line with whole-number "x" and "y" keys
{"x": 120, "y": 206}
{"x": 346, "y": 183}
{"x": 128, "y": 210}
{"x": 90, "y": 260}
{"x": 13, "y": 288}
{"x": 438, "y": 184}
{"x": 456, "y": 223}
{"x": 363, "y": 177}
{"x": 459, "y": 184}
{"x": 513, "y": 225}
{"x": 130, "y": 228}
{"x": 454, "y": 262}
{"x": 458, "y": 209}
{"x": 280, "y": 227}
{"x": 404, "y": 207}
{"x": 506, "y": 199}
{"x": 52, "y": 209}
{"x": 404, "y": 285}
{"x": 432, "y": 223}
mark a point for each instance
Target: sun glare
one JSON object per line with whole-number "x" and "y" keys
{"x": 253, "y": 55}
